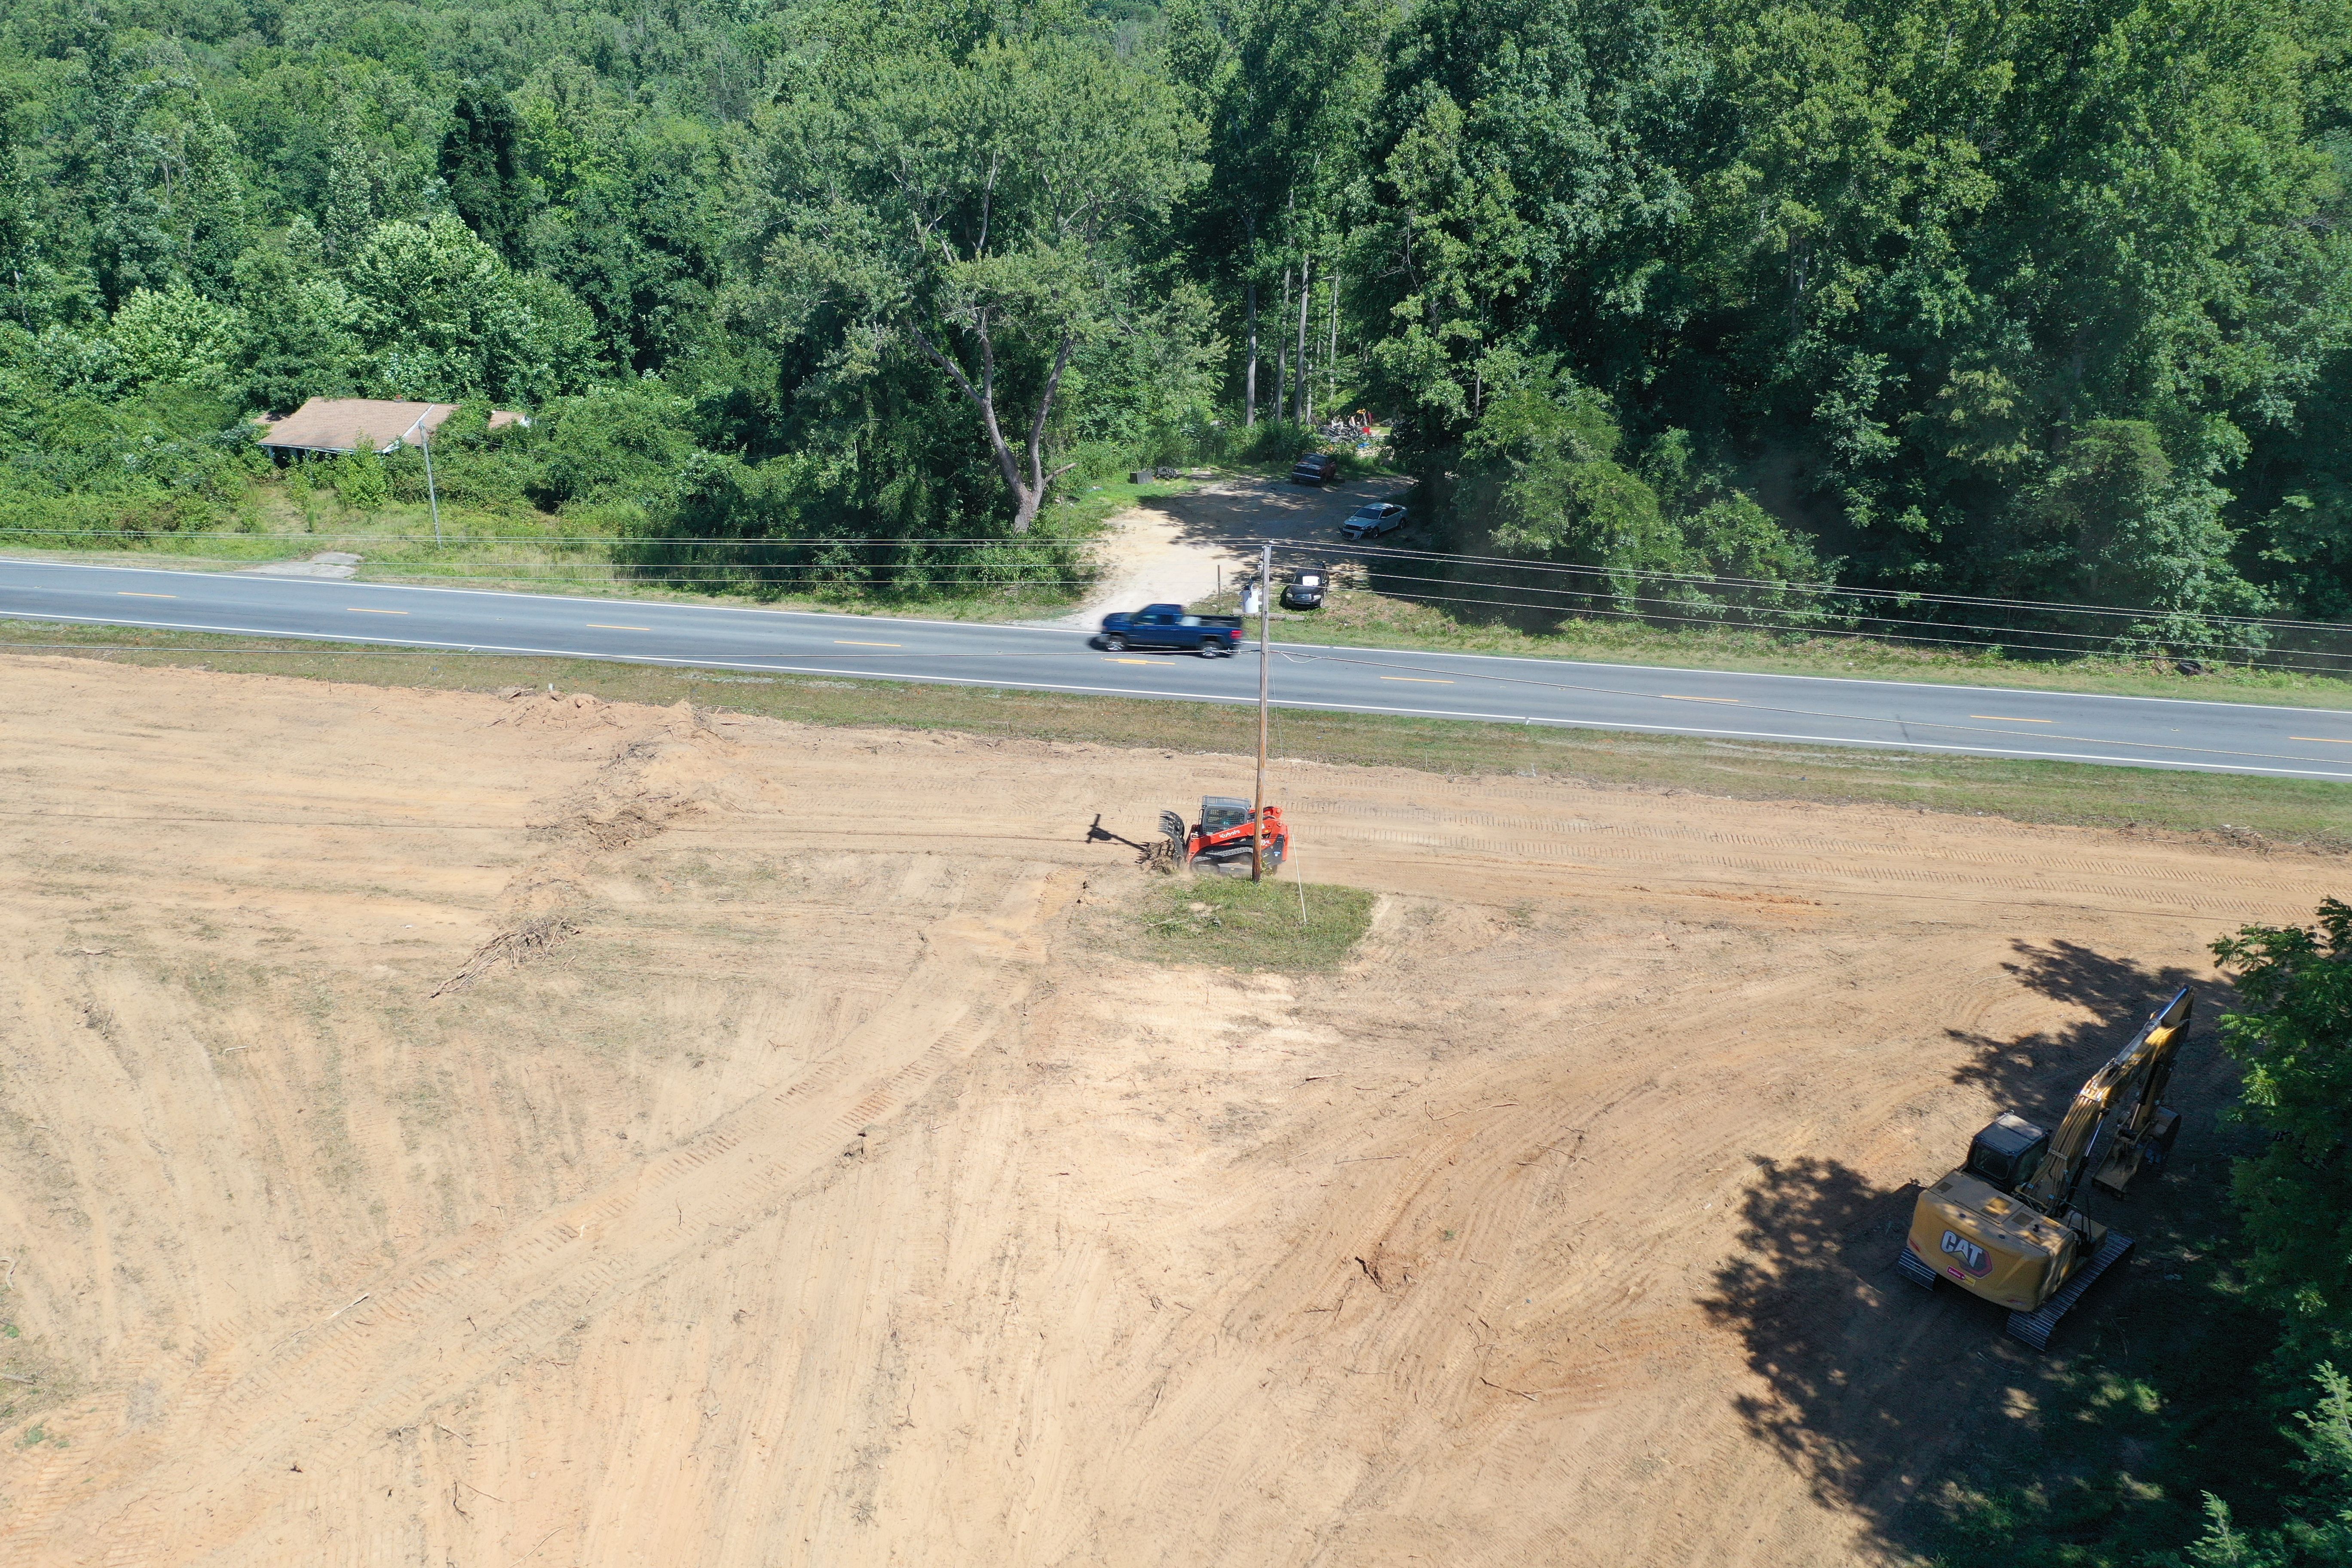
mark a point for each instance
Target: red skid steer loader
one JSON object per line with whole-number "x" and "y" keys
{"x": 1220, "y": 841}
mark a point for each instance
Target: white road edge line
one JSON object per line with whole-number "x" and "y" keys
{"x": 1002, "y": 626}
{"x": 2337, "y": 777}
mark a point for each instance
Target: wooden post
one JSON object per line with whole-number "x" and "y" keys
{"x": 1264, "y": 663}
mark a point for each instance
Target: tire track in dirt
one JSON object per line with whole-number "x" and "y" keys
{"x": 2261, "y": 894}
{"x": 318, "y": 1397}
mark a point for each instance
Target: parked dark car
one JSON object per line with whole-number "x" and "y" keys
{"x": 1168, "y": 625}
{"x": 1315, "y": 469}
{"x": 1305, "y": 592}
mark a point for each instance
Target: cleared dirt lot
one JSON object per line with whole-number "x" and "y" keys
{"x": 440, "y": 1128}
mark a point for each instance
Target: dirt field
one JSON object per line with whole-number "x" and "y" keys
{"x": 441, "y": 1129}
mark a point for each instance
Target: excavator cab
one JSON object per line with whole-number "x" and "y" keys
{"x": 2008, "y": 1152}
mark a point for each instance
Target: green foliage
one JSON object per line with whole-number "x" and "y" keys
{"x": 2044, "y": 299}
{"x": 2320, "y": 1536}
{"x": 298, "y": 340}
{"x": 2292, "y": 1031}
{"x": 620, "y": 442}
{"x": 359, "y": 482}
{"x": 177, "y": 336}
{"x": 1541, "y": 468}
{"x": 481, "y": 167}
{"x": 436, "y": 310}
{"x": 971, "y": 198}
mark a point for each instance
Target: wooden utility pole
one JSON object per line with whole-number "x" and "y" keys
{"x": 432, "y": 496}
{"x": 1264, "y": 664}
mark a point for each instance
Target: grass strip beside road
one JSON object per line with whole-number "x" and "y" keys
{"x": 2229, "y": 807}
{"x": 1356, "y": 618}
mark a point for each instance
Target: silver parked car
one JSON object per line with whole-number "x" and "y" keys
{"x": 1374, "y": 519}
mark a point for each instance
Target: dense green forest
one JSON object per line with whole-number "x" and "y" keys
{"x": 2043, "y": 298}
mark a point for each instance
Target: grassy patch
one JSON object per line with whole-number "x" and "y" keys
{"x": 2245, "y": 811}
{"x": 32, "y": 1379}
{"x": 1232, "y": 922}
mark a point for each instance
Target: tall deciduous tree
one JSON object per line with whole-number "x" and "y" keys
{"x": 980, "y": 207}
{"x": 481, "y": 166}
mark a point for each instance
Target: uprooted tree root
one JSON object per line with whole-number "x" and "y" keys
{"x": 525, "y": 942}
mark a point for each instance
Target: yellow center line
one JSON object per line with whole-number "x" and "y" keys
{"x": 1127, "y": 662}
{"x": 359, "y": 610}
{"x": 2011, "y": 718}
{"x": 610, "y": 626}
{"x": 1417, "y": 679}
{"x": 1678, "y": 696}
{"x": 853, "y": 642}
{"x": 135, "y": 593}
{"x": 2322, "y": 740}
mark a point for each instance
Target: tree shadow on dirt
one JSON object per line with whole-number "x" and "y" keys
{"x": 2037, "y": 1075}
{"x": 1872, "y": 1387}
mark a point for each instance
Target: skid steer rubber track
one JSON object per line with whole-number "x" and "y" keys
{"x": 2034, "y": 1328}
{"x": 1915, "y": 1269}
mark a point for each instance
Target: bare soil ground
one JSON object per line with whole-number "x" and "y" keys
{"x": 439, "y": 1129}
{"x": 1181, "y": 549}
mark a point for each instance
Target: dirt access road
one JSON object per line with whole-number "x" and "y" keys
{"x": 1178, "y": 549}
{"x": 435, "y": 1128}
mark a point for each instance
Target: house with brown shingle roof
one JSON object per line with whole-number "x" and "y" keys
{"x": 334, "y": 426}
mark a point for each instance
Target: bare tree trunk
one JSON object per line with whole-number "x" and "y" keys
{"x": 1331, "y": 358}
{"x": 1249, "y": 375}
{"x": 1306, "y": 379}
{"x": 1028, "y": 490}
{"x": 1282, "y": 357}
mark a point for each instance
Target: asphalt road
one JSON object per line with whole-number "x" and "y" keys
{"x": 2001, "y": 722}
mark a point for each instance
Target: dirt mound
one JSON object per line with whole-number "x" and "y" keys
{"x": 430, "y": 1134}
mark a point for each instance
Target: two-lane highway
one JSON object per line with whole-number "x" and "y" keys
{"x": 2003, "y": 721}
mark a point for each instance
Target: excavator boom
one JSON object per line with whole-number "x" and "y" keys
{"x": 2137, "y": 1074}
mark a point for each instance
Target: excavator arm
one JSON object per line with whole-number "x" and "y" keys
{"x": 2135, "y": 1075}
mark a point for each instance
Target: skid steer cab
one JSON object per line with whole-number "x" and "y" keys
{"x": 1221, "y": 839}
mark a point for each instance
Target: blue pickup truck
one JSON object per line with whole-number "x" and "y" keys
{"x": 1168, "y": 625}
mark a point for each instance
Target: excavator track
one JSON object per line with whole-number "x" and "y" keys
{"x": 2034, "y": 1328}
{"x": 1915, "y": 1269}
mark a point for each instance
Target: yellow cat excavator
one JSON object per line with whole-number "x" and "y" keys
{"x": 2004, "y": 1226}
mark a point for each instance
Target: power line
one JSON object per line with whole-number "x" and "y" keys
{"x": 2024, "y": 639}
{"x": 1515, "y": 564}
{"x": 1025, "y": 541}
{"x": 304, "y": 541}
